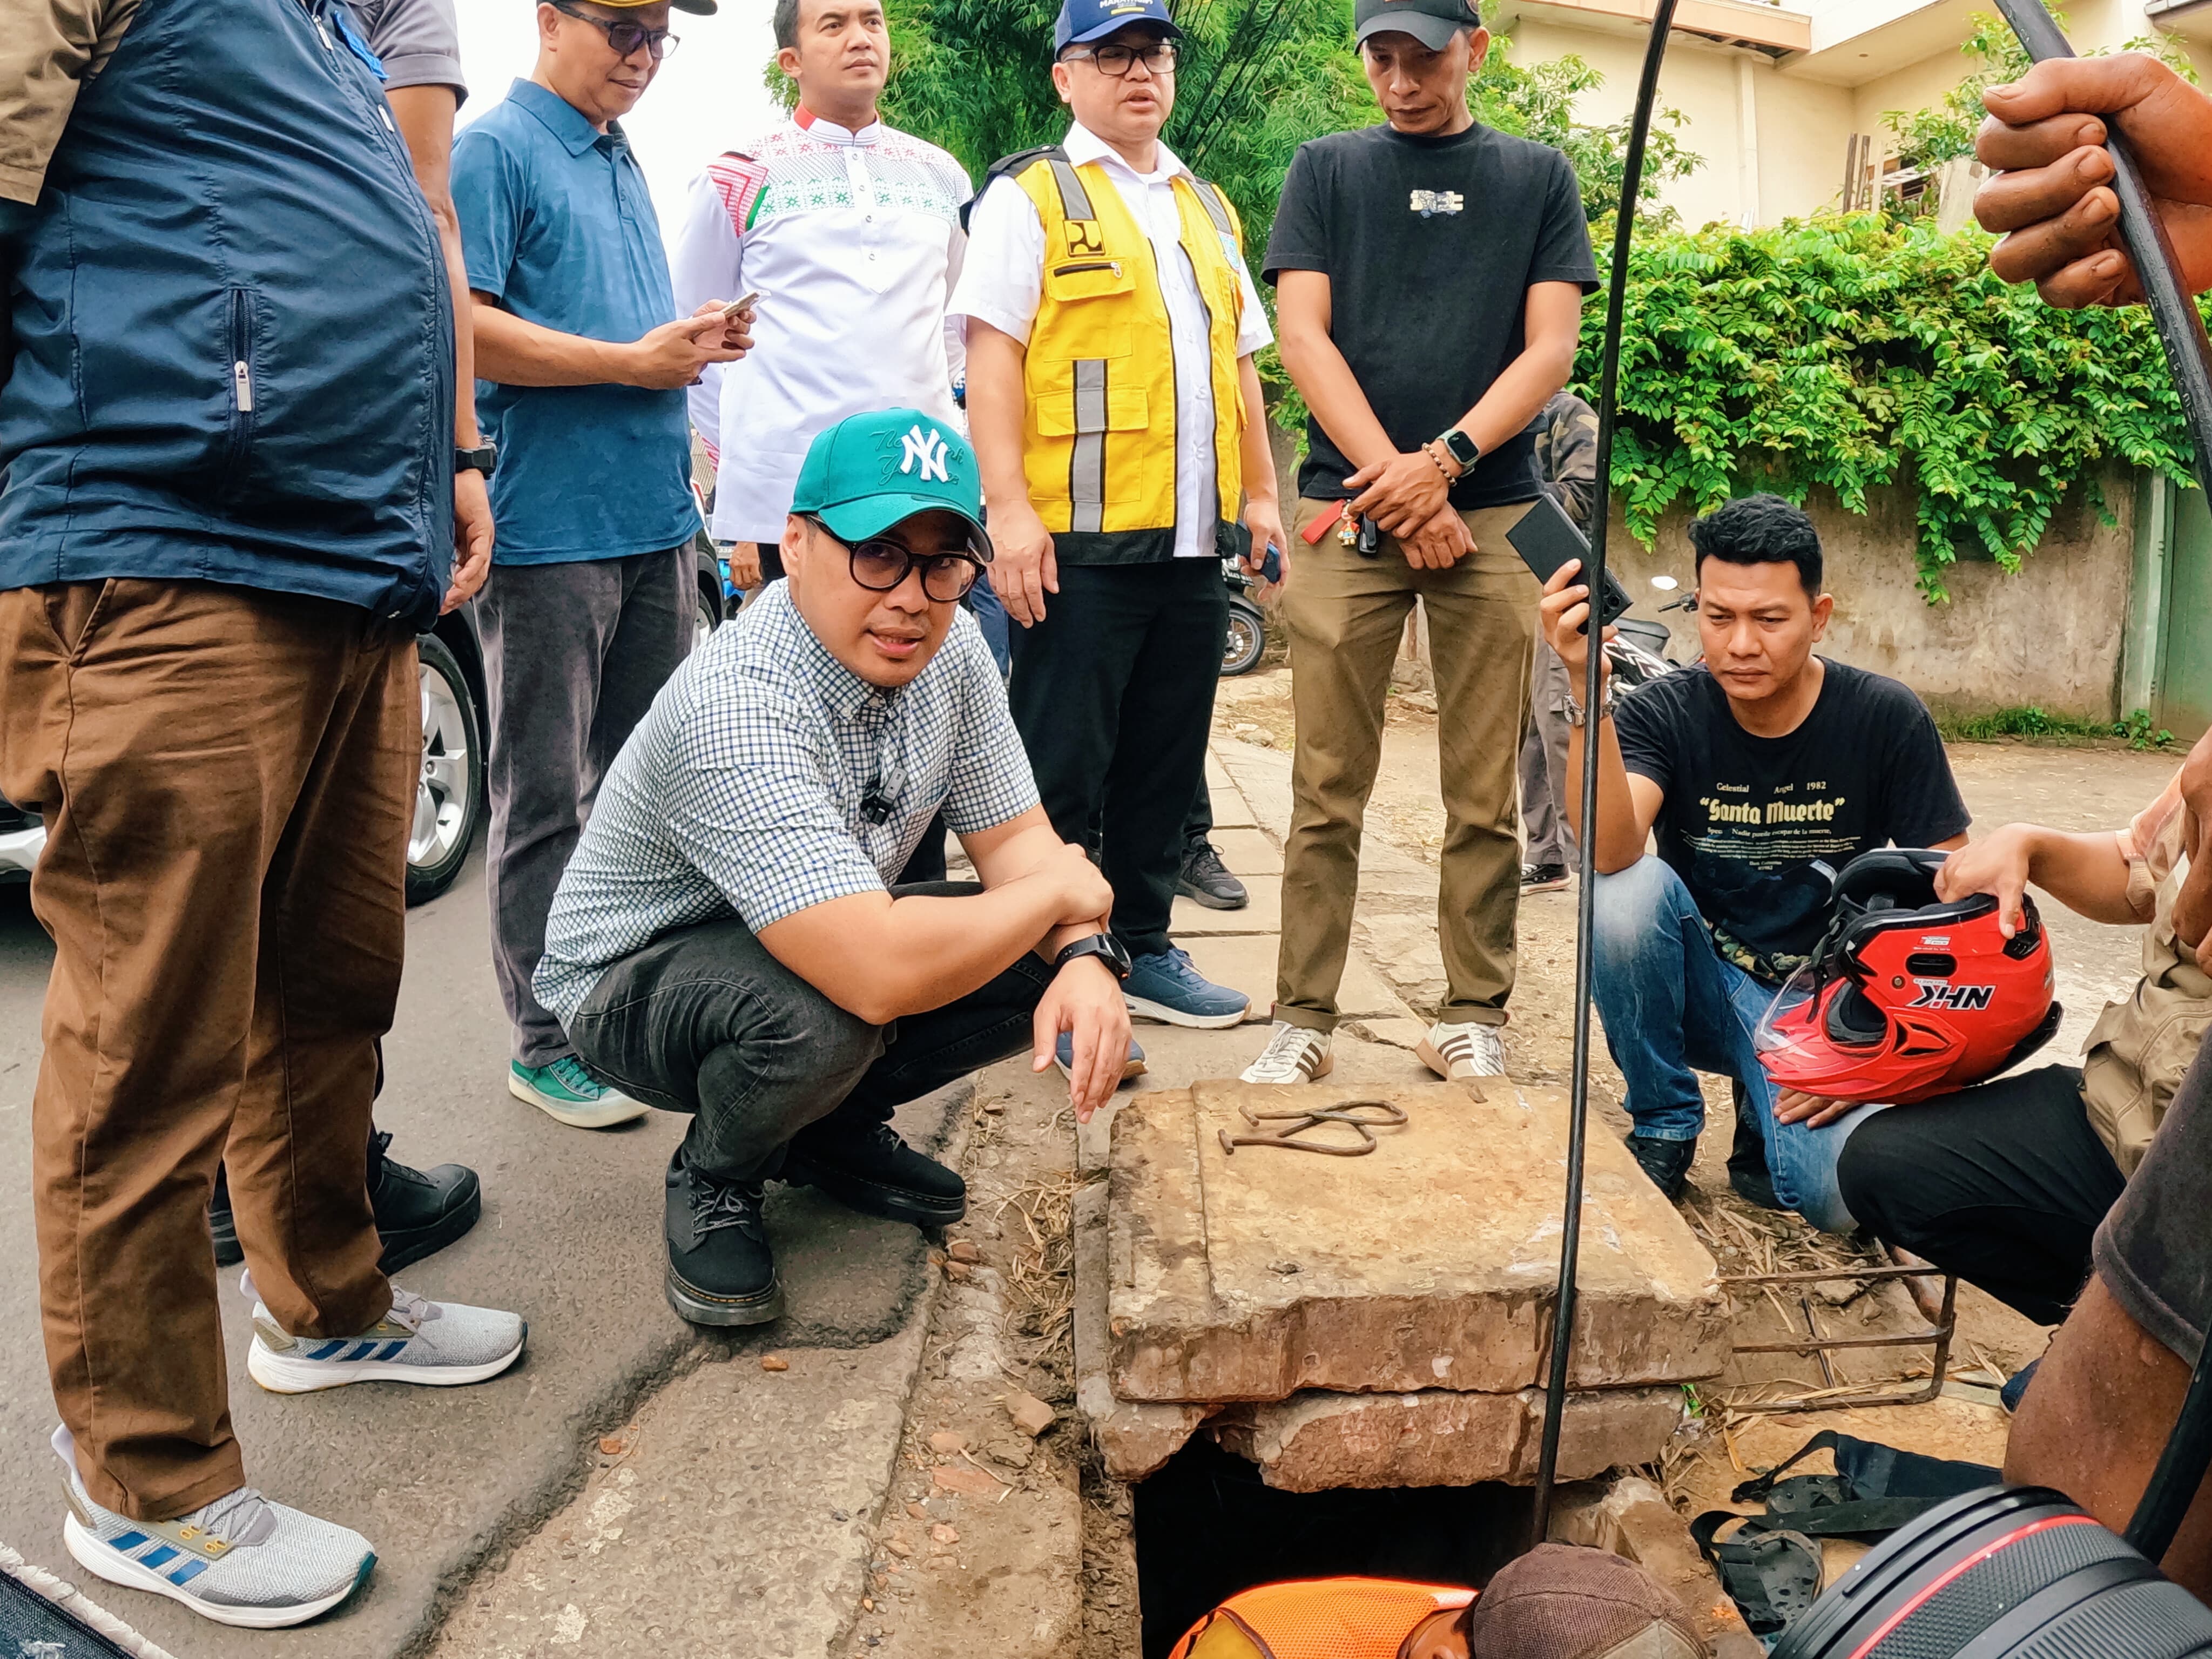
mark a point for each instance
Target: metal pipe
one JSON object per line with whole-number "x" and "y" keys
{"x": 1571, "y": 1231}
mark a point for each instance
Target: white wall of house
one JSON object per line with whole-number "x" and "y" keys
{"x": 1798, "y": 80}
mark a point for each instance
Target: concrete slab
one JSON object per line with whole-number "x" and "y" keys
{"x": 1264, "y": 915}
{"x": 1134, "y": 1439}
{"x": 440, "y": 1479}
{"x": 1247, "y": 961}
{"x": 1428, "y": 1264}
{"x": 1263, "y": 776}
{"x": 1230, "y": 809}
{"x": 1630, "y": 1516}
{"x": 735, "y": 1521}
{"x": 1319, "y": 1442}
{"x": 1248, "y": 852}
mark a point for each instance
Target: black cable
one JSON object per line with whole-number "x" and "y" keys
{"x": 2158, "y": 268}
{"x": 1571, "y": 1231}
{"x": 2188, "y": 1453}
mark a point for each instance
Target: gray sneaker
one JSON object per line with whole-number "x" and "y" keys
{"x": 439, "y": 1345}
{"x": 241, "y": 1560}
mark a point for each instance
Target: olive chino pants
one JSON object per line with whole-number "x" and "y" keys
{"x": 1345, "y": 615}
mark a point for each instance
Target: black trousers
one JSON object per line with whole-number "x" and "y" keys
{"x": 704, "y": 1021}
{"x": 1113, "y": 694}
{"x": 2003, "y": 1185}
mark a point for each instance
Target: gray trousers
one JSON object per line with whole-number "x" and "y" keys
{"x": 574, "y": 655}
{"x": 1544, "y": 780}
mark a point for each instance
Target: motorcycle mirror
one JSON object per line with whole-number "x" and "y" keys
{"x": 1665, "y": 583}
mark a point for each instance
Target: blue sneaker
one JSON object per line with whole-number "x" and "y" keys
{"x": 1165, "y": 987}
{"x": 1063, "y": 1055}
{"x": 566, "y": 1092}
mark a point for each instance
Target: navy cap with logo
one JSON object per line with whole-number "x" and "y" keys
{"x": 1084, "y": 20}
{"x": 1431, "y": 22}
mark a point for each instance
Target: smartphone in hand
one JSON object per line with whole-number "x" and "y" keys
{"x": 1547, "y": 538}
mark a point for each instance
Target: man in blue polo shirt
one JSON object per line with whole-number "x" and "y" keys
{"x": 584, "y": 363}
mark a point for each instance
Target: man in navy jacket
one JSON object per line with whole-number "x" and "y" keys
{"x": 230, "y": 493}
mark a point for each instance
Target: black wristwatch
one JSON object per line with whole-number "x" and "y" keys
{"x": 482, "y": 459}
{"x": 1461, "y": 448}
{"x": 1108, "y": 949}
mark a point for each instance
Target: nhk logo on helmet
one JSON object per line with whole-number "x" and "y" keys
{"x": 1959, "y": 999}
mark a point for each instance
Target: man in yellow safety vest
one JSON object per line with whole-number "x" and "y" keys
{"x": 1110, "y": 328}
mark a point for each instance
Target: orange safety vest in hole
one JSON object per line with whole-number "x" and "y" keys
{"x": 1320, "y": 1618}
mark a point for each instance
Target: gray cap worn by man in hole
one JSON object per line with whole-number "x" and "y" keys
{"x": 1431, "y": 22}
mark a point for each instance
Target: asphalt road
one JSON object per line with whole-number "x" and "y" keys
{"x": 438, "y": 1479}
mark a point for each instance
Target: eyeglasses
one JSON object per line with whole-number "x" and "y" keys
{"x": 880, "y": 564}
{"x": 625, "y": 37}
{"x": 1117, "y": 61}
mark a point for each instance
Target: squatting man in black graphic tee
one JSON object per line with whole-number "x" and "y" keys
{"x": 1762, "y": 771}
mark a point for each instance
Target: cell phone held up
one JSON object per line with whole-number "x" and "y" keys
{"x": 1547, "y": 538}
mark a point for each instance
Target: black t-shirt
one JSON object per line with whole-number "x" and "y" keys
{"x": 1430, "y": 245}
{"x": 1756, "y": 827}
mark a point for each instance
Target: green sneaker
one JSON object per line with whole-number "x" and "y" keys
{"x": 566, "y": 1092}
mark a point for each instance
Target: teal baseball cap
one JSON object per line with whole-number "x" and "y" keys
{"x": 869, "y": 472}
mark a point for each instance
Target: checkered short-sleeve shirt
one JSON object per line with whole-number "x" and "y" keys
{"x": 741, "y": 792}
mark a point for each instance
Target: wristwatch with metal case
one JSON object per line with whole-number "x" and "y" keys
{"x": 1578, "y": 715}
{"x": 1461, "y": 448}
{"x": 1108, "y": 949}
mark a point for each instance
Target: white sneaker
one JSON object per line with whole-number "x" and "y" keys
{"x": 439, "y": 1345}
{"x": 1456, "y": 1052}
{"x": 240, "y": 1560}
{"x": 1293, "y": 1054}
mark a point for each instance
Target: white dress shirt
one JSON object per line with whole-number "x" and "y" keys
{"x": 853, "y": 240}
{"x": 1002, "y": 281}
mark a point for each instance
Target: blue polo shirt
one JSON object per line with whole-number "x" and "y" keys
{"x": 556, "y": 226}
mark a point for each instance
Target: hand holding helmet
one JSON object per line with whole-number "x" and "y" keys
{"x": 1998, "y": 865}
{"x": 1910, "y": 995}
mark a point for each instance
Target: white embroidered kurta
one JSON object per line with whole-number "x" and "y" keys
{"x": 853, "y": 241}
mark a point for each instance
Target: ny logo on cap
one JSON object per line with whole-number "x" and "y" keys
{"x": 926, "y": 448}
{"x": 1430, "y": 203}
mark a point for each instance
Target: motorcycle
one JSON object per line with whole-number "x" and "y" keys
{"x": 1246, "y": 641}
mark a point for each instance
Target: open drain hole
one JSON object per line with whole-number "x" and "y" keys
{"x": 1206, "y": 1527}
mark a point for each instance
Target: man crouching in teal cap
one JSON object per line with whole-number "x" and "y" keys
{"x": 726, "y": 942}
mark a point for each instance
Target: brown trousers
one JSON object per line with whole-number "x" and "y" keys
{"x": 226, "y": 777}
{"x": 1346, "y": 615}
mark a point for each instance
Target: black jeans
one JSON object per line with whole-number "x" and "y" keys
{"x": 704, "y": 1021}
{"x": 2003, "y": 1185}
{"x": 1113, "y": 694}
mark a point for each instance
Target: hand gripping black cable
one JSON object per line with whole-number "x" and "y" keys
{"x": 1571, "y": 1230}
{"x": 2188, "y": 1455}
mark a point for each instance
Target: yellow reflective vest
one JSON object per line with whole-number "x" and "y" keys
{"x": 1099, "y": 414}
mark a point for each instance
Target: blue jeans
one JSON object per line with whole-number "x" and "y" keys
{"x": 1672, "y": 1008}
{"x": 991, "y": 617}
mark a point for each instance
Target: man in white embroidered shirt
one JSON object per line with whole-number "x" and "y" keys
{"x": 850, "y": 232}
{"x": 726, "y": 942}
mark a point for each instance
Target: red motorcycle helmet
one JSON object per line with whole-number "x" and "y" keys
{"x": 1908, "y": 997}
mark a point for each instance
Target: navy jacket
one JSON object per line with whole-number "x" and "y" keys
{"x": 233, "y": 355}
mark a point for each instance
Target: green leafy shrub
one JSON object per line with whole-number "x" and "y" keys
{"x": 1856, "y": 352}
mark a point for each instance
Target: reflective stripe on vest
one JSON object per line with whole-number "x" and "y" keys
{"x": 1320, "y": 1618}
{"x": 1100, "y": 446}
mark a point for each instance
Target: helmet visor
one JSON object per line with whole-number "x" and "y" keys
{"x": 1790, "y": 1027}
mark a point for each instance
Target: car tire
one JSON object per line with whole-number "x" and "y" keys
{"x": 450, "y": 800}
{"x": 1246, "y": 641}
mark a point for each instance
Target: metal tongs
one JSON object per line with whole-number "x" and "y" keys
{"x": 1351, "y": 1114}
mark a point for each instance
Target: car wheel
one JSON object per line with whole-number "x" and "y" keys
{"x": 704, "y": 619}
{"x": 449, "y": 791}
{"x": 1247, "y": 639}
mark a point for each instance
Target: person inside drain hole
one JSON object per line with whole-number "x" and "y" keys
{"x": 1763, "y": 770}
{"x": 726, "y": 942}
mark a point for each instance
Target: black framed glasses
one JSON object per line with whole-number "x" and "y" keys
{"x": 1118, "y": 60}
{"x": 880, "y": 564}
{"x": 625, "y": 37}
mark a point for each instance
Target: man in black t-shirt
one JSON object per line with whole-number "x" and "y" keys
{"x": 1763, "y": 770}
{"x": 1430, "y": 275}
